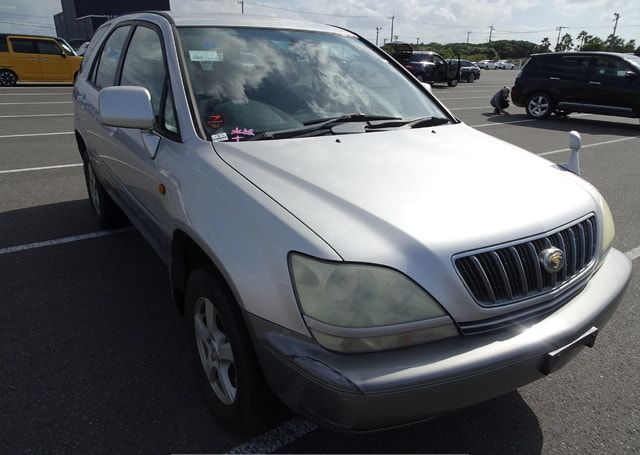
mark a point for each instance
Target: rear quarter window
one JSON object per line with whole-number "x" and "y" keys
{"x": 3, "y": 44}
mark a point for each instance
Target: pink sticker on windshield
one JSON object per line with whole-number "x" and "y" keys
{"x": 241, "y": 133}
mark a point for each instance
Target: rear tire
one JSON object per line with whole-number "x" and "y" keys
{"x": 226, "y": 363}
{"x": 108, "y": 213}
{"x": 539, "y": 106}
{"x": 8, "y": 78}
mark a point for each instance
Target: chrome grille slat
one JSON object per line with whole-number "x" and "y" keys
{"x": 514, "y": 272}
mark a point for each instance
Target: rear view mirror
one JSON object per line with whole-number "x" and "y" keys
{"x": 126, "y": 107}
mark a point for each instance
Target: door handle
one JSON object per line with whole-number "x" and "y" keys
{"x": 595, "y": 83}
{"x": 554, "y": 78}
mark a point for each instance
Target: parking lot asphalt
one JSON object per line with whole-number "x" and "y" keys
{"x": 93, "y": 355}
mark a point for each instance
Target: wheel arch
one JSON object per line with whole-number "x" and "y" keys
{"x": 186, "y": 256}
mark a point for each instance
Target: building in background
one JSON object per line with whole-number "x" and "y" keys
{"x": 80, "y": 18}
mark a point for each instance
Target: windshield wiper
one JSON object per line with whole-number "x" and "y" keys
{"x": 313, "y": 126}
{"x": 427, "y": 121}
{"x": 349, "y": 118}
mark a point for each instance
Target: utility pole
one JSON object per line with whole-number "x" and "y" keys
{"x": 393, "y": 18}
{"x": 558, "y": 40}
{"x": 469, "y": 33}
{"x": 377, "y": 33}
{"x": 490, "y": 32}
{"x": 241, "y": 3}
{"x": 615, "y": 26}
{"x": 417, "y": 40}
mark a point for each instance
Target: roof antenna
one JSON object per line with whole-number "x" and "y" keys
{"x": 575, "y": 142}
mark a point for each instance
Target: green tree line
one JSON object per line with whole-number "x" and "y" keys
{"x": 518, "y": 49}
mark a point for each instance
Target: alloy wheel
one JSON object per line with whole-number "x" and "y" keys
{"x": 215, "y": 351}
{"x": 7, "y": 79}
{"x": 538, "y": 106}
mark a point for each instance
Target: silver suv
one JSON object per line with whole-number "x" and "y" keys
{"x": 330, "y": 235}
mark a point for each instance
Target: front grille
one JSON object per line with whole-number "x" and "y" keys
{"x": 512, "y": 273}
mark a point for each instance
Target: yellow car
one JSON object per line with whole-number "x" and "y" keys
{"x": 25, "y": 58}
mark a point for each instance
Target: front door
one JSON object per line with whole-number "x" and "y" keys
{"x": 440, "y": 74}
{"x": 25, "y": 59}
{"x": 54, "y": 64}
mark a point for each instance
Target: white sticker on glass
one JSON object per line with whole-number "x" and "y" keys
{"x": 219, "y": 137}
{"x": 206, "y": 56}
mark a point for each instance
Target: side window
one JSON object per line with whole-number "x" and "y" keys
{"x": 144, "y": 64}
{"x": 610, "y": 67}
{"x": 3, "y": 44}
{"x": 48, "y": 47}
{"x": 108, "y": 64}
{"x": 574, "y": 66}
{"x": 23, "y": 46}
{"x": 438, "y": 61}
{"x": 169, "y": 115}
{"x": 97, "y": 37}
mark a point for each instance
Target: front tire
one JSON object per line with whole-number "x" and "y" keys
{"x": 223, "y": 354}
{"x": 539, "y": 106}
{"x": 471, "y": 78}
{"x": 452, "y": 83}
{"x": 8, "y": 78}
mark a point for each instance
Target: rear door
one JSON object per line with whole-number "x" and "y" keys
{"x": 54, "y": 64}
{"x": 609, "y": 86}
{"x": 572, "y": 73}
{"x": 25, "y": 59}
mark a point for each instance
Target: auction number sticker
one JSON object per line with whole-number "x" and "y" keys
{"x": 206, "y": 56}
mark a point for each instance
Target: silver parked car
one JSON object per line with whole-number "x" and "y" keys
{"x": 329, "y": 233}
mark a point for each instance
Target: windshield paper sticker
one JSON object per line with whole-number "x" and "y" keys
{"x": 219, "y": 137}
{"x": 206, "y": 56}
{"x": 238, "y": 133}
{"x": 215, "y": 121}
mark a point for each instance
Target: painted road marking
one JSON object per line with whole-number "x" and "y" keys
{"x": 595, "y": 144}
{"x": 37, "y": 102}
{"x": 35, "y": 94}
{"x": 36, "y": 134}
{"x": 634, "y": 253}
{"x": 36, "y": 115}
{"x": 42, "y": 168}
{"x": 276, "y": 438}
{"x": 466, "y": 98}
{"x": 73, "y": 238}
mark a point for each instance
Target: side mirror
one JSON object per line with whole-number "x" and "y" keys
{"x": 126, "y": 107}
{"x": 428, "y": 87}
{"x": 630, "y": 75}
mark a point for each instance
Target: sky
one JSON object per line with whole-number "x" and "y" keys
{"x": 415, "y": 20}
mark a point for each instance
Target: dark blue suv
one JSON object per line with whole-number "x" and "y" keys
{"x": 592, "y": 82}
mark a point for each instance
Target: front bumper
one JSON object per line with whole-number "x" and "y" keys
{"x": 361, "y": 392}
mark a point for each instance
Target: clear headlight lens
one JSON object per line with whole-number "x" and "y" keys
{"x": 608, "y": 228}
{"x": 357, "y": 308}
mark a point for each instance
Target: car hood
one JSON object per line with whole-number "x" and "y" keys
{"x": 406, "y": 198}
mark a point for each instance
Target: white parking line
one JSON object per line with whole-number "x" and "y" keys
{"x": 35, "y": 134}
{"x": 37, "y": 102}
{"x": 35, "y": 115}
{"x": 634, "y": 253}
{"x": 73, "y": 238}
{"x": 465, "y": 98}
{"x": 276, "y": 438}
{"x": 466, "y": 108}
{"x": 36, "y": 94}
{"x": 482, "y": 125}
{"x": 42, "y": 168}
{"x": 595, "y": 144}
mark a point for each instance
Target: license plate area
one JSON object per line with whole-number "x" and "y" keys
{"x": 555, "y": 360}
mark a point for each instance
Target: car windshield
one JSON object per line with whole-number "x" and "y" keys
{"x": 248, "y": 81}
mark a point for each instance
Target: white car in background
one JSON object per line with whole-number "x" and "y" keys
{"x": 505, "y": 65}
{"x": 486, "y": 64}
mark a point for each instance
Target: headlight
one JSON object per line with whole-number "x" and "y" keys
{"x": 608, "y": 228}
{"x": 358, "y": 308}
